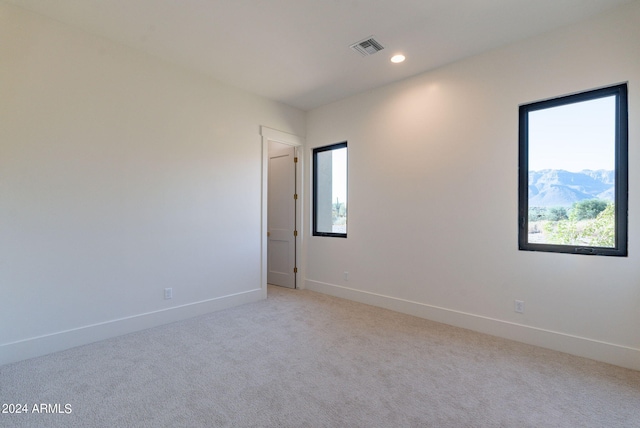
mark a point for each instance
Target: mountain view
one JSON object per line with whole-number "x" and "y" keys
{"x": 559, "y": 188}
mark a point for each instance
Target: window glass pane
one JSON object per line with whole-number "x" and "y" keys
{"x": 571, "y": 174}
{"x": 330, "y": 190}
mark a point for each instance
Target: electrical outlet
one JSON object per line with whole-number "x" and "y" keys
{"x": 168, "y": 293}
{"x": 519, "y": 306}
{"x": 346, "y": 276}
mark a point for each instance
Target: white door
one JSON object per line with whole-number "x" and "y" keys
{"x": 281, "y": 218}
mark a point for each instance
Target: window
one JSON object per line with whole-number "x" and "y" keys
{"x": 573, "y": 173}
{"x": 330, "y": 190}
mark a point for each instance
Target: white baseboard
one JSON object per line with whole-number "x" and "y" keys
{"x": 59, "y": 341}
{"x": 583, "y": 347}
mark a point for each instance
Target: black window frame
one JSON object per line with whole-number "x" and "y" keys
{"x": 620, "y": 91}
{"x": 316, "y": 151}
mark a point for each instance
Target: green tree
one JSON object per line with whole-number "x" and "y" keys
{"x": 589, "y": 208}
{"x": 557, "y": 214}
{"x": 596, "y": 232}
{"x": 537, "y": 213}
{"x": 602, "y": 230}
{"x": 564, "y": 232}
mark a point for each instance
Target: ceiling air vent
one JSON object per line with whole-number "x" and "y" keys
{"x": 367, "y": 47}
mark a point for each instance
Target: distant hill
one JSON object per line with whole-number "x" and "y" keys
{"x": 559, "y": 188}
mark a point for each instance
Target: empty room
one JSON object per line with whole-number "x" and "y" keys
{"x": 283, "y": 213}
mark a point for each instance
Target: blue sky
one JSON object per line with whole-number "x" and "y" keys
{"x": 573, "y": 137}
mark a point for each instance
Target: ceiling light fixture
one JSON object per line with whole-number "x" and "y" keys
{"x": 397, "y": 58}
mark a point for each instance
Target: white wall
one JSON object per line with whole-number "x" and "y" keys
{"x": 433, "y": 170}
{"x": 120, "y": 175}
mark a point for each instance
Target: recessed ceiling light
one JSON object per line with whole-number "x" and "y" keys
{"x": 397, "y": 58}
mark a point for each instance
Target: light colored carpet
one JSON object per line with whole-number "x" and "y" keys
{"x": 303, "y": 359}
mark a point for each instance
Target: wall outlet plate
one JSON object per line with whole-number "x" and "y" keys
{"x": 519, "y": 306}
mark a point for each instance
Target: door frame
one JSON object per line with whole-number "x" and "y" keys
{"x": 269, "y": 134}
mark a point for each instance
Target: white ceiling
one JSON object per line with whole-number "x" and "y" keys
{"x": 297, "y": 51}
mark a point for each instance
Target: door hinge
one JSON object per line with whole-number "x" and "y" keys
{"x": 268, "y": 234}
{"x": 295, "y": 196}
{"x": 295, "y": 159}
{"x": 295, "y": 270}
{"x": 295, "y": 233}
